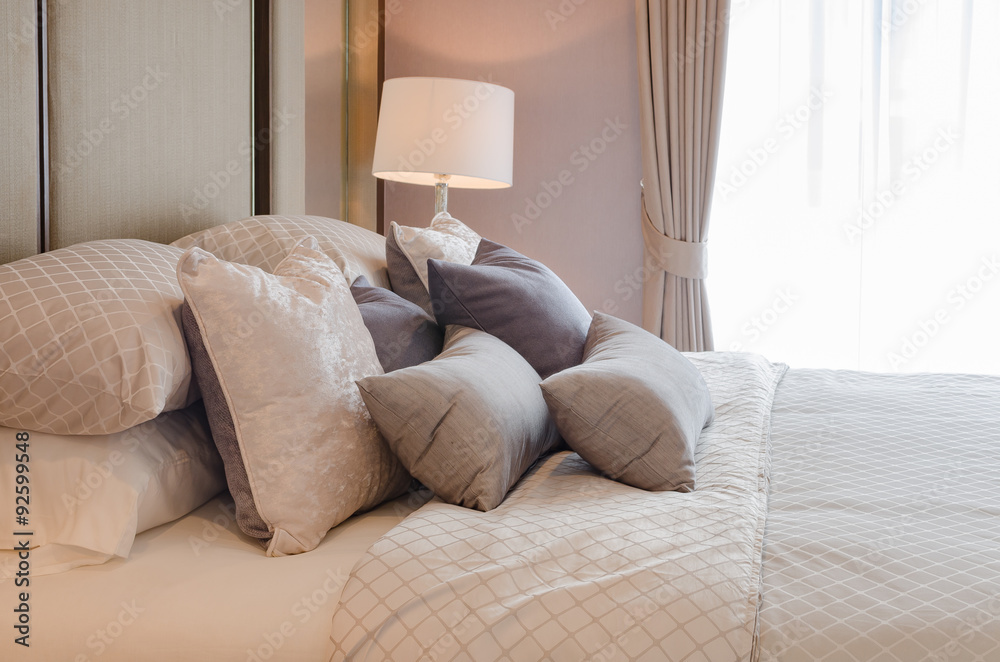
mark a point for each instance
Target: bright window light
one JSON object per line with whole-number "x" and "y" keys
{"x": 856, "y": 212}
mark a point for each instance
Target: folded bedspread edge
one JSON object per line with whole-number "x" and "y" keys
{"x": 575, "y": 566}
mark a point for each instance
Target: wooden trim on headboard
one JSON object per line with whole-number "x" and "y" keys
{"x": 262, "y": 106}
{"x": 43, "y": 125}
{"x": 365, "y": 64}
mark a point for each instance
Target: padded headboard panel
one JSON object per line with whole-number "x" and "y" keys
{"x": 19, "y": 117}
{"x": 151, "y": 118}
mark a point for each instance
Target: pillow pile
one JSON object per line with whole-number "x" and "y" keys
{"x": 95, "y": 374}
{"x": 626, "y": 401}
{"x": 277, "y": 357}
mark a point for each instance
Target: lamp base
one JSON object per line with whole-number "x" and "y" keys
{"x": 441, "y": 195}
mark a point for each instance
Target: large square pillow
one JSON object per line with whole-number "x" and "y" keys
{"x": 277, "y": 356}
{"x": 264, "y": 241}
{"x": 634, "y": 408}
{"x": 407, "y": 250}
{"x": 467, "y": 424}
{"x": 91, "y": 338}
{"x": 89, "y": 496}
{"x": 403, "y": 332}
{"x": 515, "y": 298}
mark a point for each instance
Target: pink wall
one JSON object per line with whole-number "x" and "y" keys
{"x": 324, "y": 40}
{"x": 577, "y": 164}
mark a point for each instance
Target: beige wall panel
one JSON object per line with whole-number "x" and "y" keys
{"x": 325, "y": 60}
{"x": 288, "y": 107}
{"x": 150, "y": 117}
{"x": 577, "y": 158}
{"x": 19, "y": 118}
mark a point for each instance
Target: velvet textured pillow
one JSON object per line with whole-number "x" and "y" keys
{"x": 91, "y": 495}
{"x": 634, "y": 408}
{"x": 91, "y": 338}
{"x": 264, "y": 241}
{"x": 516, "y": 299}
{"x": 278, "y": 356}
{"x": 408, "y": 249}
{"x": 467, "y": 424}
{"x": 403, "y": 332}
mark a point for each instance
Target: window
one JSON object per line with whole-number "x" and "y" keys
{"x": 856, "y": 220}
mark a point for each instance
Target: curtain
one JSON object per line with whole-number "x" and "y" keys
{"x": 855, "y": 219}
{"x": 681, "y": 48}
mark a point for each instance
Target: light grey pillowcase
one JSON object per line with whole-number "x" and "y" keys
{"x": 467, "y": 424}
{"x": 634, "y": 408}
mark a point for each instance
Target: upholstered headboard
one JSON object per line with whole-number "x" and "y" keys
{"x": 147, "y": 119}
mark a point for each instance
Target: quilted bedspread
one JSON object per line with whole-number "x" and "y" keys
{"x": 574, "y": 566}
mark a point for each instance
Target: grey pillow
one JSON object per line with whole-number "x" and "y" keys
{"x": 634, "y": 408}
{"x": 516, "y": 299}
{"x": 403, "y": 332}
{"x": 467, "y": 424}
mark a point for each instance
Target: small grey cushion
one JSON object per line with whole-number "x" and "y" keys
{"x": 467, "y": 424}
{"x": 403, "y": 332}
{"x": 516, "y": 299}
{"x": 634, "y": 408}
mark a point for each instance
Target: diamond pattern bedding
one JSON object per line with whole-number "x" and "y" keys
{"x": 574, "y": 566}
{"x": 882, "y": 539}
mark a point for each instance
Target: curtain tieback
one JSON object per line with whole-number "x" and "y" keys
{"x": 687, "y": 259}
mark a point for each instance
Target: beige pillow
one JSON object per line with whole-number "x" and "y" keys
{"x": 286, "y": 350}
{"x": 467, "y": 424}
{"x": 91, "y": 338}
{"x": 90, "y": 496}
{"x": 634, "y": 408}
{"x": 264, "y": 241}
{"x": 408, "y": 249}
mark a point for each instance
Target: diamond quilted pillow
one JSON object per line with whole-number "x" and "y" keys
{"x": 264, "y": 241}
{"x": 91, "y": 338}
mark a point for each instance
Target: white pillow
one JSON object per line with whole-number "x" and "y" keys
{"x": 88, "y": 497}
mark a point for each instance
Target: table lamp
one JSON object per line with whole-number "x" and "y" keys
{"x": 445, "y": 132}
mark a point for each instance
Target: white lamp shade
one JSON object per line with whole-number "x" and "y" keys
{"x": 445, "y": 126}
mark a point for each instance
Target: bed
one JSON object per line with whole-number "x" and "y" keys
{"x": 836, "y": 515}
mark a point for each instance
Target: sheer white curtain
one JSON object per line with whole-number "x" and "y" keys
{"x": 856, "y": 216}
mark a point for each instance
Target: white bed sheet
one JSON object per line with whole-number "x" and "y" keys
{"x": 196, "y": 590}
